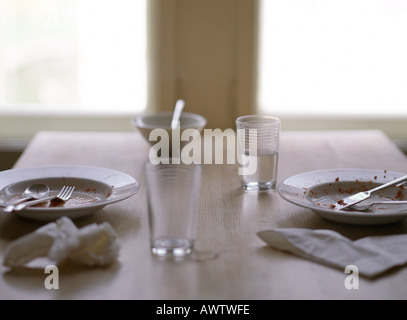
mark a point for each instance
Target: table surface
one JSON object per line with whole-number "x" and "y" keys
{"x": 245, "y": 267}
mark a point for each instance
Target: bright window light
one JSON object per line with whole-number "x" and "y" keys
{"x": 337, "y": 57}
{"x": 80, "y": 56}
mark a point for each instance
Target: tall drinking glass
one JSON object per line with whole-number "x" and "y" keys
{"x": 173, "y": 203}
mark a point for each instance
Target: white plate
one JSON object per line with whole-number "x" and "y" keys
{"x": 315, "y": 190}
{"x": 94, "y": 189}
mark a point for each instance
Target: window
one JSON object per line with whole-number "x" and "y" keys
{"x": 66, "y": 56}
{"x": 333, "y": 58}
{"x": 339, "y": 60}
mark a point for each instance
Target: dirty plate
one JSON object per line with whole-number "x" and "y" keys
{"x": 95, "y": 188}
{"x": 320, "y": 191}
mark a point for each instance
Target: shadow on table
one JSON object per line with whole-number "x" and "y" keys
{"x": 35, "y": 278}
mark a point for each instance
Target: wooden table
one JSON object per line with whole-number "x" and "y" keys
{"x": 229, "y": 218}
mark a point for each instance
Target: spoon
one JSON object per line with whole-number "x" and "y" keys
{"x": 363, "y": 207}
{"x": 34, "y": 191}
{"x": 179, "y": 105}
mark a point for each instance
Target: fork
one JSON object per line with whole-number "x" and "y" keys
{"x": 363, "y": 195}
{"x": 63, "y": 195}
{"x": 363, "y": 207}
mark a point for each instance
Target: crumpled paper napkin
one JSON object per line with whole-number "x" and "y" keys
{"x": 371, "y": 255}
{"x": 93, "y": 245}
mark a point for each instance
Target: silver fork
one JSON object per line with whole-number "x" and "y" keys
{"x": 363, "y": 195}
{"x": 63, "y": 195}
{"x": 364, "y": 207}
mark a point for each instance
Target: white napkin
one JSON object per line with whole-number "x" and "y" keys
{"x": 92, "y": 245}
{"x": 371, "y": 255}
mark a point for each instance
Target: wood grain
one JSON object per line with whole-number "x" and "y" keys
{"x": 244, "y": 268}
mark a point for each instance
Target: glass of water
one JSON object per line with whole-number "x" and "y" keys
{"x": 173, "y": 202}
{"x": 258, "y": 139}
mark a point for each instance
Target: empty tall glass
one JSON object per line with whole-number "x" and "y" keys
{"x": 173, "y": 203}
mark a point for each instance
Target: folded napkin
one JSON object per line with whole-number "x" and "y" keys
{"x": 371, "y": 255}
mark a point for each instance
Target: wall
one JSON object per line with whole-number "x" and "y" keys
{"x": 204, "y": 52}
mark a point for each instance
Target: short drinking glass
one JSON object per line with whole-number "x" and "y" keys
{"x": 258, "y": 146}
